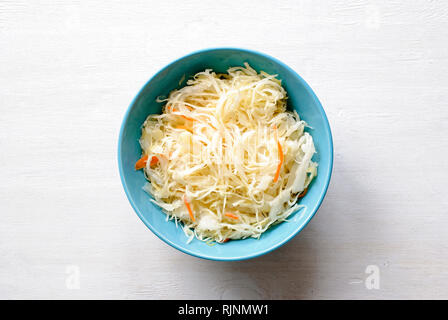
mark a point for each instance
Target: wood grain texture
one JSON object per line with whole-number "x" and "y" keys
{"x": 69, "y": 69}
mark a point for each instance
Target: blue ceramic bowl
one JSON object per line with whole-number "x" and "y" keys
{"x": 301, "y": 98}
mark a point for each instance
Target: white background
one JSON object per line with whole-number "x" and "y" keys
{"x": 69, "y": 69}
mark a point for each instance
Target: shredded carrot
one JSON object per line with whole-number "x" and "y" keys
{"x": 231, "y": 215}
{"x": 154, "y": 161}
{"x": 141, "y": 163}
{"x": 185, "y": 117}
{"x": 190, "y": 212}
{"x": 184, "y": 127}
{"x": 225, "y": 240}
{"x": 303, "y": 193}
{"x": 280, "y": 156}
{"x": 172, "y": 109}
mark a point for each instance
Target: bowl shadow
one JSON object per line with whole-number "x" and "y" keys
{"x": 319, "y": 260}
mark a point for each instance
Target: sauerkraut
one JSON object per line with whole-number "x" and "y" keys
{"x": 226, "y": 158}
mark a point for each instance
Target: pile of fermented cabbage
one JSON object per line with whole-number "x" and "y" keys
{"x": 226, "y": 159}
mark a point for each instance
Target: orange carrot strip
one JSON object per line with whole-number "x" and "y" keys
{"x": 172, "y": 109}
{"x": 225, "y": 240}
{"x": 185, "y": 117}
{"x": 303, "y": 193}
{"x": 184, "y": 127}
{"x": 231, "y": 215}
{"x": 280, "y": 156}
{"x": 190, "y": 212}
{"x": 154, "y": 161}
{"x": 141, "y": 163}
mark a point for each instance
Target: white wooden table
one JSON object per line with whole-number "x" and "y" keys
{"x": 68, "y": 71}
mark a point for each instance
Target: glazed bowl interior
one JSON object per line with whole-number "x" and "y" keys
{"x": 301, "y": 98}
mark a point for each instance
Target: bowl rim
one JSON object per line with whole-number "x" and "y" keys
{"x": 250, "y": 255}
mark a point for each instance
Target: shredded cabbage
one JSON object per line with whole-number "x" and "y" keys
{"x": 218, "y": 144}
